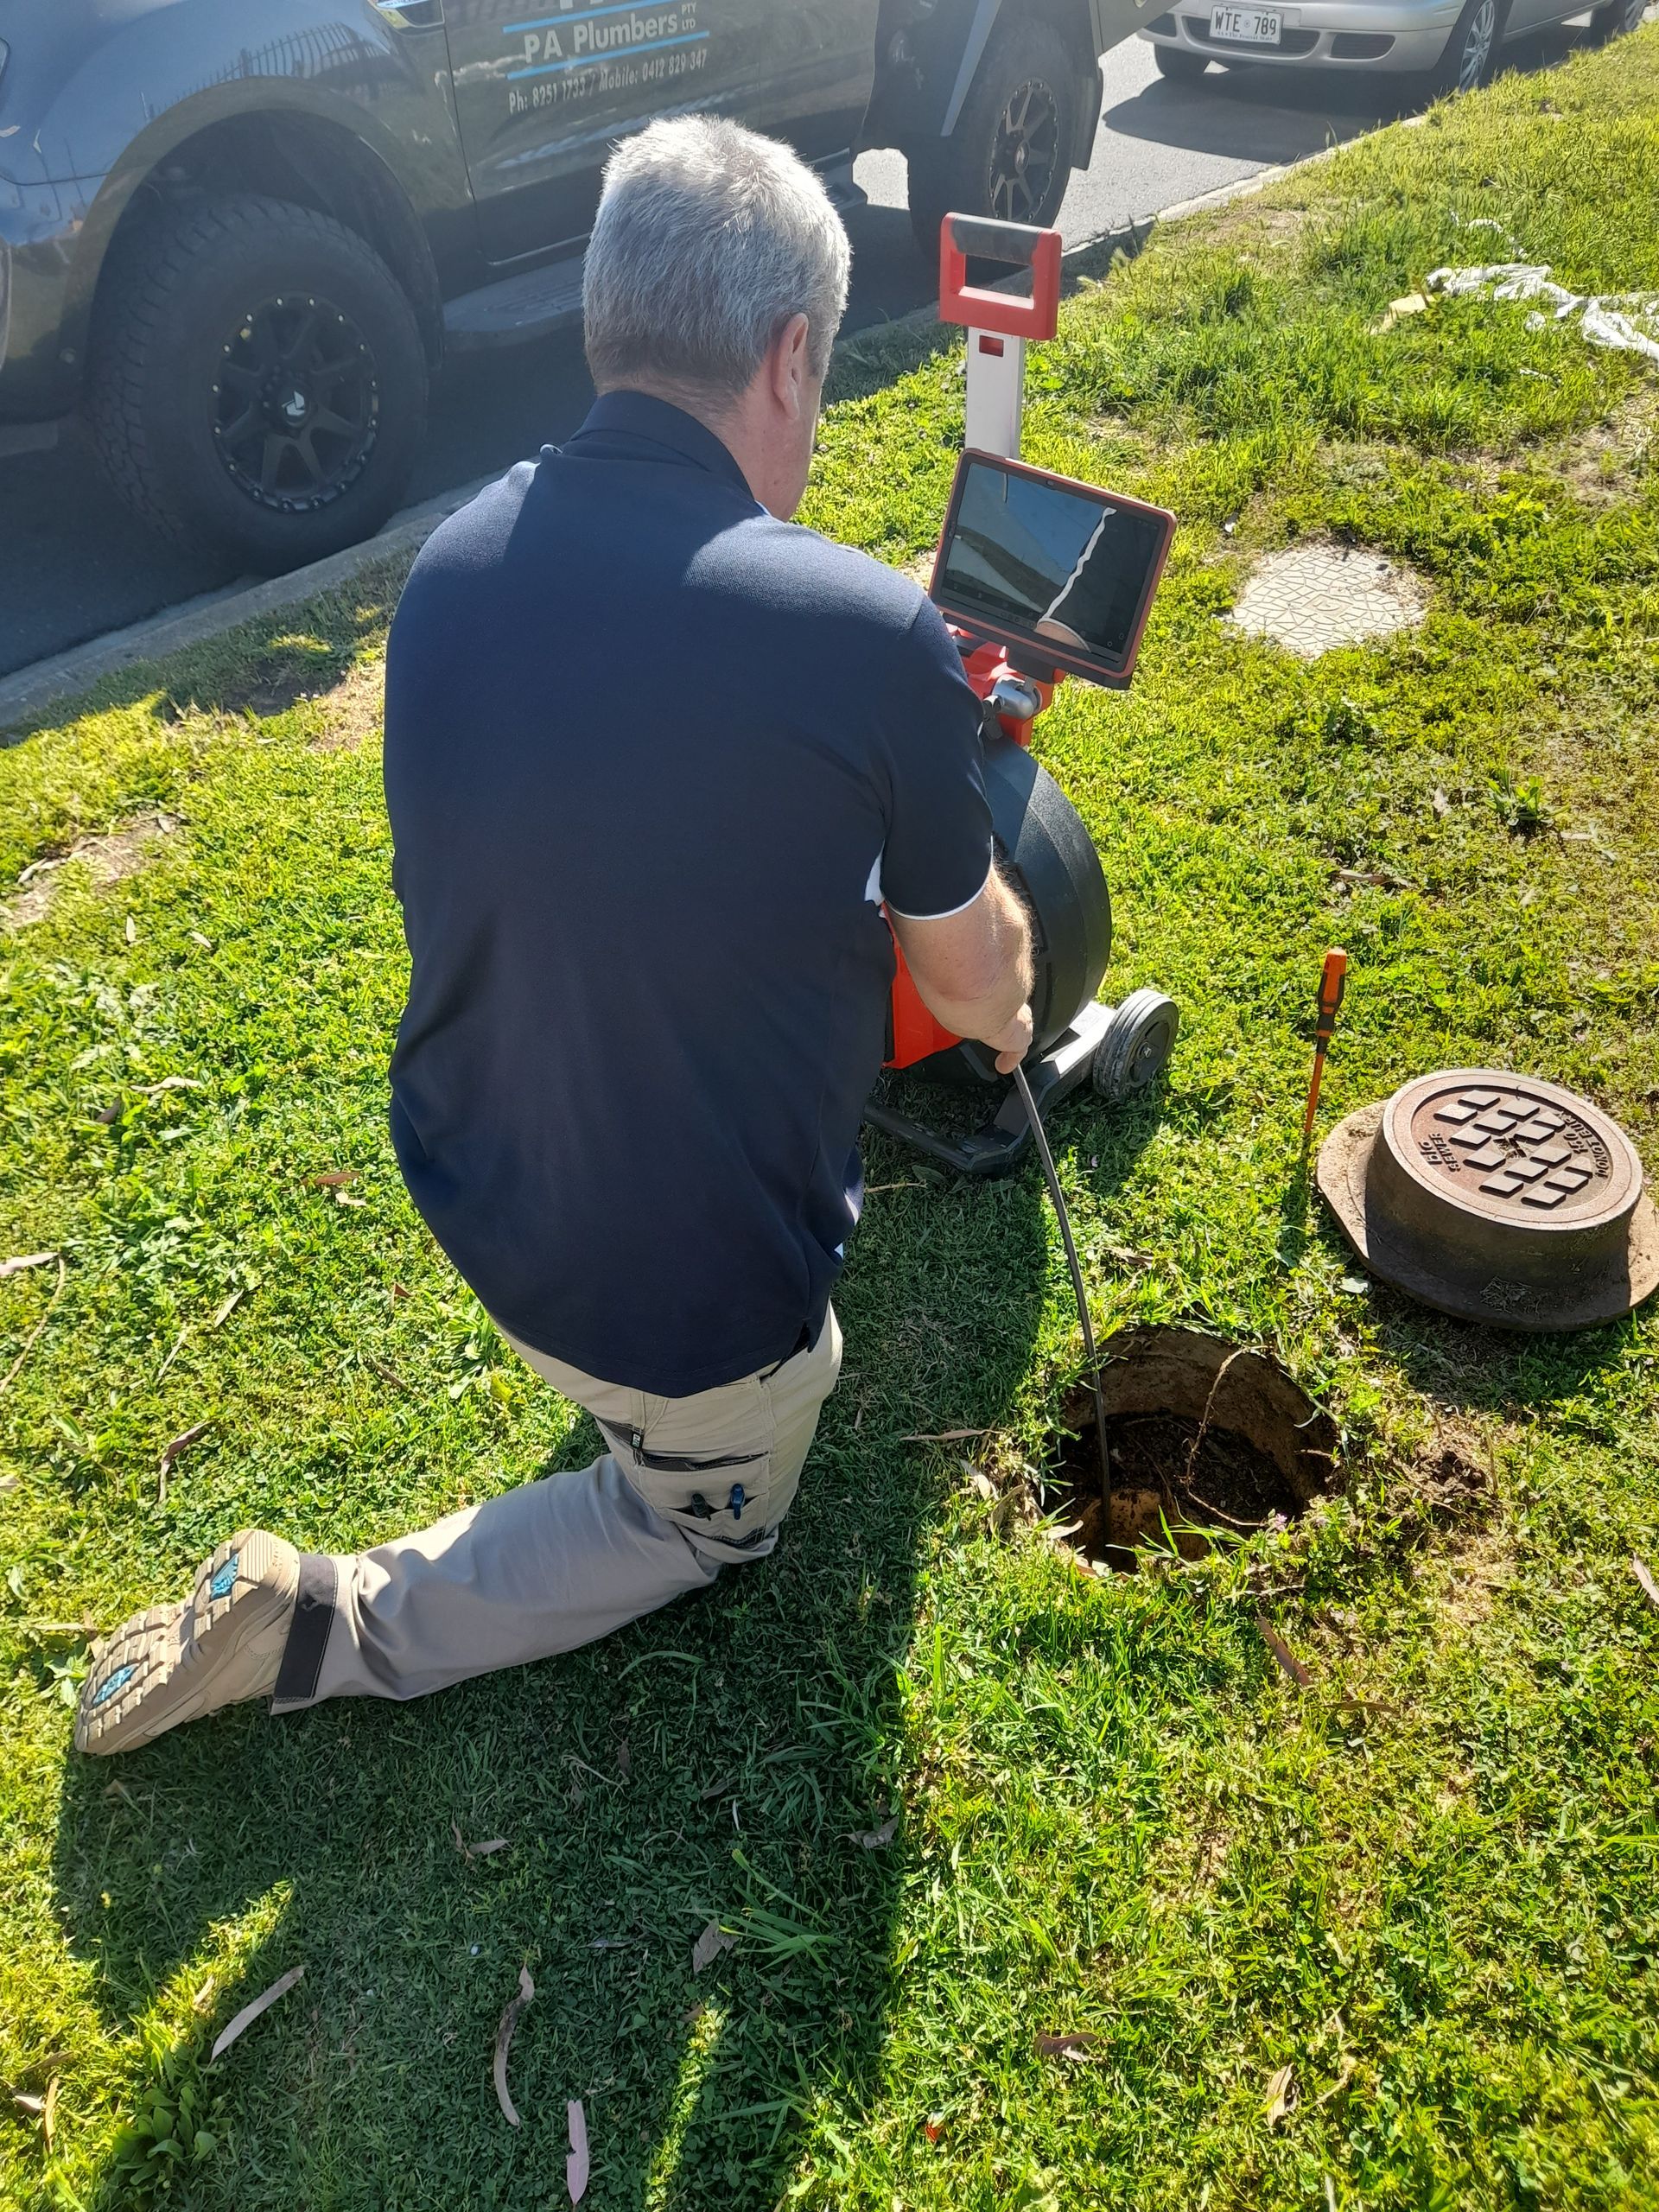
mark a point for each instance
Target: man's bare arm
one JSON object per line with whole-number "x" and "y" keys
{"x": 973, "y": 970}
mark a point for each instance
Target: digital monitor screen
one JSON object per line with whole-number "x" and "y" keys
{"x": 1059, "y": 568}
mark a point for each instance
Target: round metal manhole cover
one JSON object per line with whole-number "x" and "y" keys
{"x": 1512, "y": 1150}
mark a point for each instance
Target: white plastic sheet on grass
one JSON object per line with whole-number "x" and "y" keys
{"x": 1627, "y": 323}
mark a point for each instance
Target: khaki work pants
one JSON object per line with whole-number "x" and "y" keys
{"x": 689, "y": 1486}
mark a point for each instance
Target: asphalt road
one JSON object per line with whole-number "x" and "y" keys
{"x": 74, "y": 564}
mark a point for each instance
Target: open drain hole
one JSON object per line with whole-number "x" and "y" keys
{"x": 1209, "y": 1443}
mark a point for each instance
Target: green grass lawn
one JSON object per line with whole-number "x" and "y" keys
{"x": 1425, "y": 1882}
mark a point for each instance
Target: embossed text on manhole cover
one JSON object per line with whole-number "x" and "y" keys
{"x": 1312, "y": 598}
{"x": 1506, "y": 1148}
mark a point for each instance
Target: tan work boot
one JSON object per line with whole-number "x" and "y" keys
{"x": 175, "y": 1662}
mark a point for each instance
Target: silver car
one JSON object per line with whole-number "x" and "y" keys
{"x": 1447, "y": 45}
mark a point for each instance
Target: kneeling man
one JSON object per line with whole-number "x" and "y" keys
{"x": 666, "y": 774}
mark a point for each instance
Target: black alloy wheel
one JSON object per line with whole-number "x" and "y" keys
{"x": 1025, "y": 154}
{"x": 259, "y": 380}
{"x": 1009, "y": 155}
{"x": 296, "y": 403}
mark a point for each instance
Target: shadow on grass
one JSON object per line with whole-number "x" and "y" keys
{"x": 723, "y": 1760}
{"x": 1472, "y": 1369}
{"x": 263, "y": 668}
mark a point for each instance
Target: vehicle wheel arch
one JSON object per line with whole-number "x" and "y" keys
{"x": 1072, "y": 19}
{"x": 276, "y": 147}
{"x": 948, "y": 45}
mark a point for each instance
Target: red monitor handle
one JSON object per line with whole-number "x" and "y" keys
{"x": 1023, "y": 247}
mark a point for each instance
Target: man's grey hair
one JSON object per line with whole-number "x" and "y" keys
{"x": 709, "y": 239}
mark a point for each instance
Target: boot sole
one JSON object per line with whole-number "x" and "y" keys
{"x": 165, "y": 1665}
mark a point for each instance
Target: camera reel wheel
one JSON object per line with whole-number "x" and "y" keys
{"x": 1139, "y": 1037}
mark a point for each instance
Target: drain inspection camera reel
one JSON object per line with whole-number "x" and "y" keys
{"x": 1040, "y": 577}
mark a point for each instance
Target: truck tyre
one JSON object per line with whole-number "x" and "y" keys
{"x": 1471, "y": 57}
{"x": 1010, "y": 155}
{"x": 258, "y": 381}
{"x": 1178, "y": 64}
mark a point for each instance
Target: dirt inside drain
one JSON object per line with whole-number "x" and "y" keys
{"x": 1210, "y": 1442}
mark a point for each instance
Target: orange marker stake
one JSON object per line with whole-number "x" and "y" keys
{"x": 1332, "y": 983}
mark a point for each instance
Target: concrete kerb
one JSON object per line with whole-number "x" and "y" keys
{"x": 69, "y": 675}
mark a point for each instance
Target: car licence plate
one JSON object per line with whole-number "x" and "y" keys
{"x": 1245, "y": 26}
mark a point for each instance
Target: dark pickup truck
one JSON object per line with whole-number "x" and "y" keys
{"x": 242, "y": 234}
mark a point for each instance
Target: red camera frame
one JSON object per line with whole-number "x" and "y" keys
{"x": 1037, "y": 315}
{"x": 1028, "y": 652}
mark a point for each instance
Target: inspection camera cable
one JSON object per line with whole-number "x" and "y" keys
{"x": 1090, "y": 1356}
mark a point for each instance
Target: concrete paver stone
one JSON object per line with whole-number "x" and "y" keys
{"x": 1310, "y": 598}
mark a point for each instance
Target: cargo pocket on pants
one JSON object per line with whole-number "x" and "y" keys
{"x": 719, "y": 1498}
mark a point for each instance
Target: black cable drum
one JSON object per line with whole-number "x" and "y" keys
{"x": 1044, "y": 851}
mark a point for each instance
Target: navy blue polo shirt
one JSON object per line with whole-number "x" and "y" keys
{"x": 653, "y": 759}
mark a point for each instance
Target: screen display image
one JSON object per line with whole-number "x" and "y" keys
{"x": 1051, "y": 560}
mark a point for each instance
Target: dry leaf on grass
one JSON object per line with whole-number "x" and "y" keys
{"x": 708, "y": 1946}
{"x": 224, "y": 1310}
{"x": 11, "y": 1481}
{"x": 332, "y": 1179}
{"x": 504, "y": 2044}
{"x": 933, "y": 2127}
{"x": 623, "y": 1760}
{"x": 1412, "y": 303}
{"x": 25, "y": 1259}
{"x": 1639, "y": 1569}
{"x": 576, "y": 2166}
{"x": 174, "y": 1450}
{"x": 42, "y": 2109}
{"x": 250, "y": 2013}
{"x": 1282, "y": 1652}
{"x": 1078, "y": 2046}
{"x": 875, "y": 1839}
{"x": 946, "y": 1436}
{"x": 477, "y": 1850}
{"x": 1281, "y": 2095}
